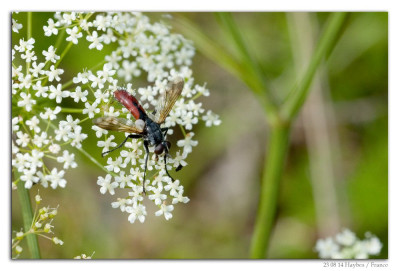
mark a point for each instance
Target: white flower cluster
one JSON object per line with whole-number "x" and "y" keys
{"x": 346, "y": 245}
{"x": 139, "y": 49}
{"x": 34, "y": 138}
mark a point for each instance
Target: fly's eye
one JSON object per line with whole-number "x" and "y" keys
{"x": 159, "y": 149}
{"x": 168, "y": 144}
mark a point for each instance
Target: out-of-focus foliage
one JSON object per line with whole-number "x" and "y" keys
{"x": 222, "y": 177}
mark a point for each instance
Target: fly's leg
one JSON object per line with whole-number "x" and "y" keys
{"x": 166, "y": 150}
{"x": 122, "y": 144}
{"x": 146, "y": 147}
{"x": 165, "y": 130}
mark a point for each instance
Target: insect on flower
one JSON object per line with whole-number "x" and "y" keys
{"x": 145, "y": 127}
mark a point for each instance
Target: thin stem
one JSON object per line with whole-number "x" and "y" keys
{"x": 328, "y": 39}
{"x": 27, "y": 218}
{"x": 273, "y": 167}
{"x": 95, "y": 161}
{"x": 66, "y": 49}
{"x": 72, "y": 110}
{"x": 29, "y": 35}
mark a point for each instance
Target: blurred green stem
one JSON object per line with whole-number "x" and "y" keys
{"x": 297, "y": 97}
{"x": 279, "y": 117}
{"x": 273, "y": 167}
{"x": 27, "y": 218}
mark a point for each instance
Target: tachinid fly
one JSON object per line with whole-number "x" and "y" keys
{"x": 145, "y": 127}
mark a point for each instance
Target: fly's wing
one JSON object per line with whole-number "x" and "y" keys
{"x": 120, "y": 125}
{"x": 168, "y": 99}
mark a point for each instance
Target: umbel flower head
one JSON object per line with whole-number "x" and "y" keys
{"x": 346, "y": 245}
{"x": 137, "y": 50}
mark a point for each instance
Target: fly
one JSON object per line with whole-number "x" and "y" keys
{"x": 145, "y": 127}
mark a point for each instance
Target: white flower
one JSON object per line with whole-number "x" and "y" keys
{"x": 50, "y": 54}
{"x": 68, "y": 160}
{"x": 68, "y": 17}
{"x": 188, "y": 120}
{"x": 54, "y": 148}
{"x": 79, "y": 95}
{"x": 25, "y": 45}
{"x": 54, "y": 73}
{"x": 40, "y": 140}
{"x": 187, "y": 143}
{"x": 56, "y": 178}
{"x": 51, "y": 29}
{"x": 106, "y": 184}
{"x": 77, "y": 137}
{"x": 137, "y": 211}
{"x": 166, "y": 210}
{"x": 211, "y": 119}
{"x": 14, "y": 123}
{"x": 33, "y": 124}
{"x": 346, "y": 237}
{"x": 29, "y": 177}
{"x": 373, "y": 245}
{"x": 97, "y": 81}
{"x": 121, "y": 203}
{"x": 157, "y": 197}
{"x": 29, "y": 56}
{"x": 123, "y": 180}
{"x": 178, "y": 197}
{"x": 95, "y": 41}
{"x": 26, "y": 81}
{"x": 91, "y": 109}
{"x": 84, "y": 24}
{"x": 16, "y": 26}
{"x": 50, "y": 114}
{"x": 113, "y": 59}
{"x": 23, "y": 139}
{"x": 174, "y": 187}
{"x": 57, "y": 241}
{"x": 326, "y": 248}
{"x": 128, "y": 69}
{"x": 106, "y": 73}
{"x": 99, "y": 131}
{"x": 62, "y": 132}
{"x": 26, "y": 101}
{"x": 35, "y": 159}
{"x": 73, "y": 34}
{"x": 40, "y": 90}
{"x": 57, "y": 93}
{"x": 146, "y": 93}
{"x": 136, "y": 194}
{"x": 107, "y": 144}
{"x": 202, "y": 90}
{"x": 114, "y": 165}
{"x": 81, "y": 78}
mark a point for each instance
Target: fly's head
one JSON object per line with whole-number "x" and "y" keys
{"x": 163, "y": 146}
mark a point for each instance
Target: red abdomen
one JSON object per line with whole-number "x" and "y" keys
{"x": 130, "y": 103}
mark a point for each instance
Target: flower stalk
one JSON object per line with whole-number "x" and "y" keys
{"x": 27, "y": 218}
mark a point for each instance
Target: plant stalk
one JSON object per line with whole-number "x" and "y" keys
{"x": 27, "y": 218}
{"x": 273, "y": 168}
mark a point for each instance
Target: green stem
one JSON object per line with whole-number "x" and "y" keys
{"x": 27, "y": 218}
{"x": 279, "y": 140}
{"x": 273, "y": 167}
{"x": 328, "y": 39}
{"x": 252, "y": 73}
{"x": 72, "y": 110}
{"x": 95, "y": 161}
{"x": 29, "y": 35}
